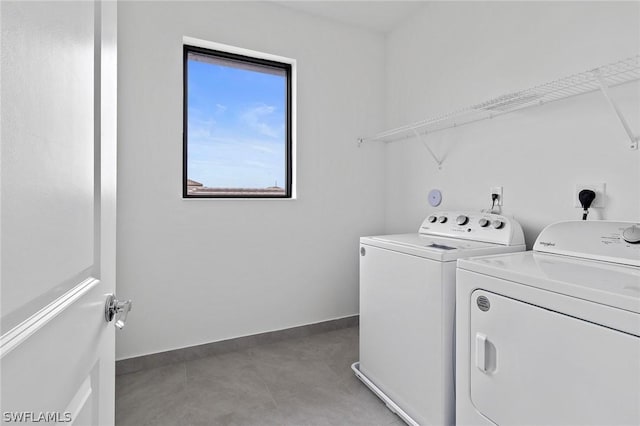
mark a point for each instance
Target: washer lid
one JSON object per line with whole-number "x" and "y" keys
{"x": 436, "y": 248}
{"x": 596, "y": 281}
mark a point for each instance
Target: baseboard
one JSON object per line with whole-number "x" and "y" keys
{"x": 131, "y": 365}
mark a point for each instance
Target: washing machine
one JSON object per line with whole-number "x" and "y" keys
{"x": 552, "y": 336}
{"x": 407, "y": 301}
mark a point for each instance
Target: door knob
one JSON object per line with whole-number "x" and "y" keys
{"x": 114, "y": 308}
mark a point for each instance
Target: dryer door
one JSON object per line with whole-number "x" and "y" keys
{"x": 530, "y": 365}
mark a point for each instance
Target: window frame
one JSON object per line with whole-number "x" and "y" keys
{"x": 256, "y": 58}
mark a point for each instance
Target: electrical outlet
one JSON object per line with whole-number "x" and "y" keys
{"x": 496, "y": 190}
{"x": 598, "y": 188}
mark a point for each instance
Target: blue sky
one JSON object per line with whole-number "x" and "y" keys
{"x": 236, "y": 126}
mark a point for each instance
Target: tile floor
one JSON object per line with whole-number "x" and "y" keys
{"x": 303, "y": 381}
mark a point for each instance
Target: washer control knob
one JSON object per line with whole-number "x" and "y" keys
{"x": 483, "y": 222}
{"x": 497, "y": 224}
{"x": 631, "y": 234}
{"x": 442, "y": 219}
{"x": 432, "y": 219}
{"x": 462, "y": 219}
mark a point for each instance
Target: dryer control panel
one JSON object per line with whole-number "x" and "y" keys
{"x": 471, "y": 225}
{"x": 605, "y": 240}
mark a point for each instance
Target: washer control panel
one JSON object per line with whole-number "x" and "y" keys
{"x": 605, "y": 240}
{"x": 485, "y": 227}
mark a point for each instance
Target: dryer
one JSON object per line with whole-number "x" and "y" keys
{"x": 552, "y": 336}
{"x": 407, "y": 301}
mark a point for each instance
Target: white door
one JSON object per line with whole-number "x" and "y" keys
{"x": 534, "y": 366}
{"x": 58, "y": 157}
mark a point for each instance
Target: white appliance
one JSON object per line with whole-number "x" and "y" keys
{"x": 552, "y": 336}
{"x": 407, "y": 300}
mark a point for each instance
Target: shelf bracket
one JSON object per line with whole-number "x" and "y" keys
{"x": 604, "y": 87}
{"x": 426, "y": 145}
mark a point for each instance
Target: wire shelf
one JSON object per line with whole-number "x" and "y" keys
{"x": 624, "y": 71}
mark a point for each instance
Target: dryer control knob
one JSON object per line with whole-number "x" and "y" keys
{"x": 442, "y": 219}
{"x": 462, "y": 219}
{"x": 631, "y": 234}
{"x": 483, "y": 222}
{"x": 432, "y": 219}
{"x": 497, "y": 224}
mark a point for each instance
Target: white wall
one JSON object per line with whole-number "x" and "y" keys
{"x": 205, "y": 270}
{"x": 202, "y": 271}
{"x": 455, "y": 54}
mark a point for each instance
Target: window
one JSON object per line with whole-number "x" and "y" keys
{"x": 237, "y": 126}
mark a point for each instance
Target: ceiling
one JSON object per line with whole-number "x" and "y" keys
{"x": 380, "y": 16}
